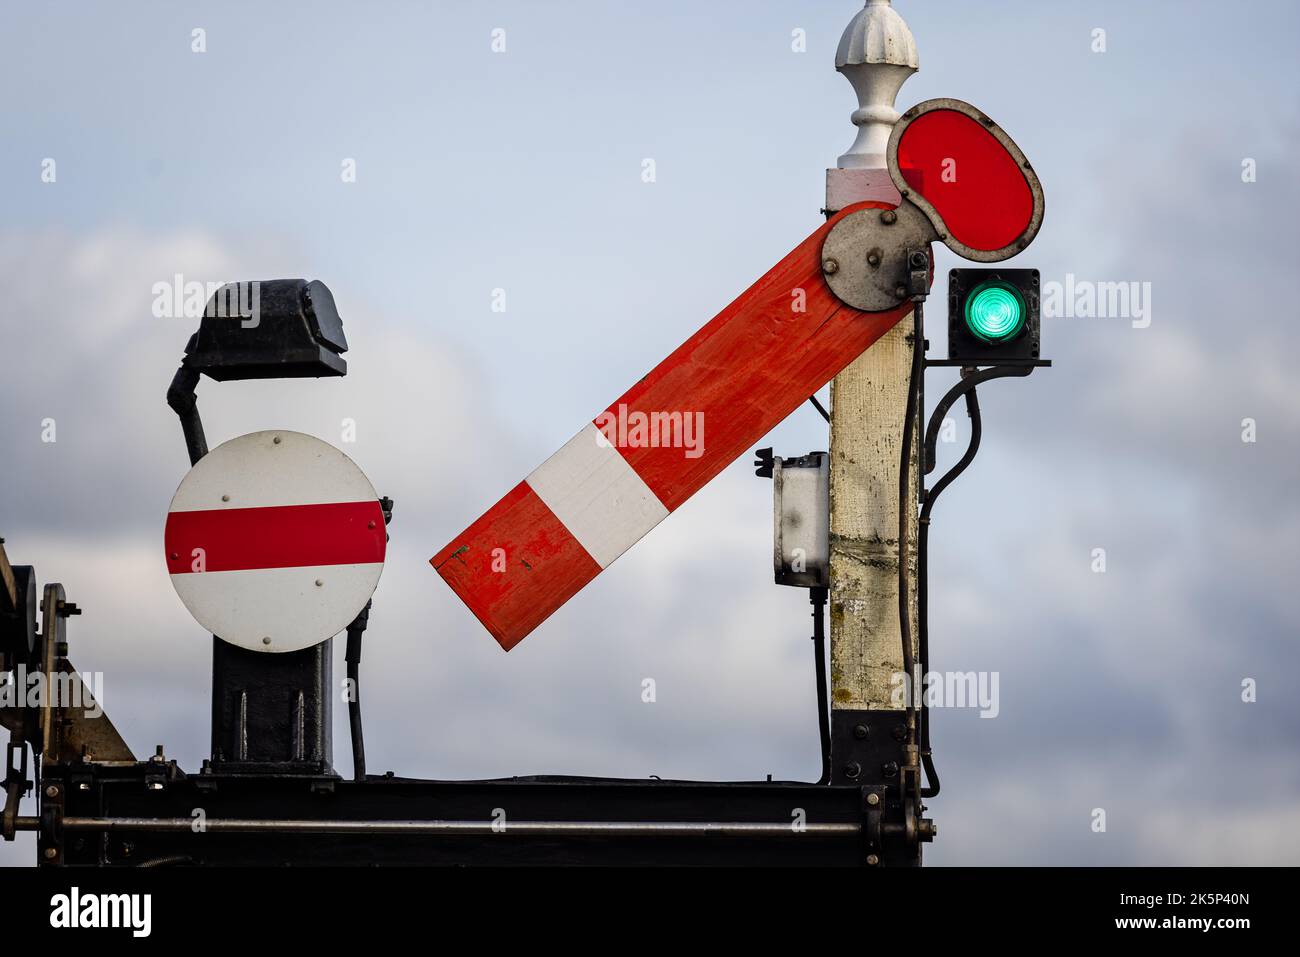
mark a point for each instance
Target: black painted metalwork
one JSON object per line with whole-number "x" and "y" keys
{"x": 274, "y": 329}
{"x": 139, "y": 814}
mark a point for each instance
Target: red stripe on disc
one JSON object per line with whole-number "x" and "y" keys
{"x": 515, "y": 566}
{"x": 280, "y": 536}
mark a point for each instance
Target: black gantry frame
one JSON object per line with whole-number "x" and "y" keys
{"x": 268, "y": 797}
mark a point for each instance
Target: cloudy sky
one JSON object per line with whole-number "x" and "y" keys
{"x": 521, "y": 171}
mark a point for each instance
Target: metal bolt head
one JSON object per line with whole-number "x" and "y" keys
{"x": 51, "y": 853}
{"x": 900, "y": 292}
{"x": 900, "y": 732}
{"x": 225, "y": 498}
{"x": 889, "y": 769}
{"x": 831, "y": 267}
{"x": 52, "y": 791}
{"x": 320, "y": 582}
{"x": 873, "y": 257}
{"x": 889, "y": 217}
{"x": 861, "y": 732}
{"x": 276, "y": 440}
{"x": 873, "y": 799}
{"x": 873, "y": 860}
{"x": 266, "y": 640}
{"x": 852, "y": 770}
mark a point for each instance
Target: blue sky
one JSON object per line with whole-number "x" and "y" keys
{"x": 521, "y": 171}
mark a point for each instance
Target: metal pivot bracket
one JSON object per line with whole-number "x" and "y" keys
{"x": 867, "y": 257}
{"x": 16, "y": 785}
{"x": 873, "y": 824}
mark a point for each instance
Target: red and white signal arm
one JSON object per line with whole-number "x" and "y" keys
{"x": 275, "y": 541}
{"x": 737, "y": 377}
{"x": 730, "y": 383}
{"x": 968, "y": 177}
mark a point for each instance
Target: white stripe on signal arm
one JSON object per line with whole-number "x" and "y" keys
{"x": 598, "y": 497}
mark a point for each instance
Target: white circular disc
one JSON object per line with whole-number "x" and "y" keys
{"x": 275, "y": 541}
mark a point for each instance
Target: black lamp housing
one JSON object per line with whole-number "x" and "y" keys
{"x": 964, "y": 347}
{"x": 273, "y": 329}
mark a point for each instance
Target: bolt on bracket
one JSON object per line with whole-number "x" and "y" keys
{"x": 867, "y": 256}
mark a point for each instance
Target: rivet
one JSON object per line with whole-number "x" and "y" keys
{"x": 266, "y": 640}
{"x": 889, "y": 217}
{"x": 831, "y": 266}
{"x": 319, "y": 582}
{"x": 51, "y": 853}
{"x": 276, "y": 440}
{"x": 225, "y": 498}
{"x": 52, "y": 791}
{"x": 873, "y": 799}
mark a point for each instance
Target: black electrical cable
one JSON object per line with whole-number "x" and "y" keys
{"x": 922, "y": 574}
{"x": 817, "y": 598}
{"x": 184, "y": 402}
{"x": 353, "y": 658}
{"x": 969, "y": 380}
{"x": 906, "y": 508}
{"x": 819, "y": 407}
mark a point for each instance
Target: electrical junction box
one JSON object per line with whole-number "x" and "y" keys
{"x": 802, "y": 518}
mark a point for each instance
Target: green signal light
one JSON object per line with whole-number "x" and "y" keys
{"x": 995, "y": 311}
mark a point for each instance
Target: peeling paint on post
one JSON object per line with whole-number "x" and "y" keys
{"x": 869, "y": 400}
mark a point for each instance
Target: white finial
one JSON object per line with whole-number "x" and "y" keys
{"x": 877, "y": 54}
